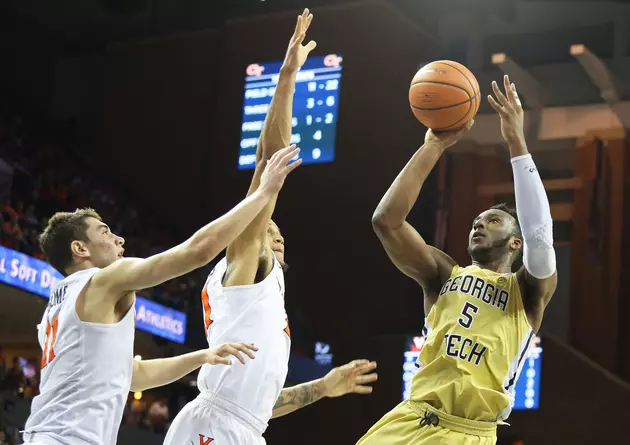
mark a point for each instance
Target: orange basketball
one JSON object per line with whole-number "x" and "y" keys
{"x": 444, "y": 95}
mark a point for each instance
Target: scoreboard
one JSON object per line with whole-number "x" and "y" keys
{"x": 315, "y": 108}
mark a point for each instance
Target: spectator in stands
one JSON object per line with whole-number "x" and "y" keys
{"x": 3, "y": 438}
{"x": 137, "y": 409}
{"x": 3, "y": 365}
{"x": 11, "y": 230}
{"x": 30, "y": 221}
{"x": 157, "y": 417}
{"x": 14, "y": 379}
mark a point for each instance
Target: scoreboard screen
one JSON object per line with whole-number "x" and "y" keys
{"x": 526, "y": 390}
{"x": 315, "y": 108}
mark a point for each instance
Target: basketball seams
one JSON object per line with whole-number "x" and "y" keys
{"x": 442, "y": 83}
{"x": 458, "y": 120}
{"x": 472, "y": 87}
{"x": 441, "y": 108}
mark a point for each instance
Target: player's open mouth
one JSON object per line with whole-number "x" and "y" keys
{"x": 478, "y": 236}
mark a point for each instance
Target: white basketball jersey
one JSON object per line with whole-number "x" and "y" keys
{"x": 254, "y": 314}
{"x": 86, "y": 372}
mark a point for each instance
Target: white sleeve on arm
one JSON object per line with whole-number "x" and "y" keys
{"x": 534, "y": 215}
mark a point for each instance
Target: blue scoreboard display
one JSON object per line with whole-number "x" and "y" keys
{"x": 315, "y": 108}
{"x": 526, "y": 390}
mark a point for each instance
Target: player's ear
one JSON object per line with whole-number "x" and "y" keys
{"x": 79, "y": 249}
{"x": 516, "y": 243}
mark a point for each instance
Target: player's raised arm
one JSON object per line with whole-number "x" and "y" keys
{"x": 132, "y": 274}
{"x": 244, "y": 252}
{"x": 532, "y": 204}
{"x": 403, "y": 244}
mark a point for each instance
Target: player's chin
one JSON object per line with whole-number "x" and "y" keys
{"x": 476, "y": 247}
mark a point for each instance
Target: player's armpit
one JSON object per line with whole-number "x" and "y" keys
{"x": 244, "y": 260}
{"x": 409, "y": 252}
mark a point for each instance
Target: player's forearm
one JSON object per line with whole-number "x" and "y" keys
{"x": 534, "y": 215}
{"x": 276, "y": 131}
{"x": 210, "y": 240}
{"x": 296, "y": 397}
{"x": 149, "y": 374}
{"x": 517, "y": 146}
{"x": 403, "y": 193}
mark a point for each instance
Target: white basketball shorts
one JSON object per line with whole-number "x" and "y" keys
{"x": 206, "y": 422}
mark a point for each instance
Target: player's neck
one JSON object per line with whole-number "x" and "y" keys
{"x": 78, "y": 267}
{"x": 499, "y": 266}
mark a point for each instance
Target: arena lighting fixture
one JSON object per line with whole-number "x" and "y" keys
{"x": 577, "y": 49}
{"x": 528, "y": 87}
{"x": 498, "y": 58}
{"x": 598, "y": 72}
{"x": 137, "y": 395}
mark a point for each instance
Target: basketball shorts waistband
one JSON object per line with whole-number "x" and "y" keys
{"x": 215, "y": 400}
{"x": 433, "y": 416}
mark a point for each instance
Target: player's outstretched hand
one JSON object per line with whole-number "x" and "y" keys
{"x": 350, "y": 378}
{"x": 509, "y": 108}
{"x": 278, "y": 168}
{"x": 297, "y": 53}
{"x": 220, "y": 355}
{"x": 447, "y": 138}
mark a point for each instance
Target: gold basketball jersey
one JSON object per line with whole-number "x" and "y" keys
{"x": 476, "y": 339}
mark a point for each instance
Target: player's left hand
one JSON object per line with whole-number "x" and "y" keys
{"x": 509, "y": 108}
{"x": 350, "y": 378}
{"x": 297, "y": 53}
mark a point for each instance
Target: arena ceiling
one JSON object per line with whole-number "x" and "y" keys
{"x": 85, "y": 23}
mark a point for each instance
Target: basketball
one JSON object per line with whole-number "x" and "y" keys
{"x": 444, "y": 95}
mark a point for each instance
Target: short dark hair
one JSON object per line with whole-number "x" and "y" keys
{"x": 512, "y": 212}
{"x": 62, "y": 229}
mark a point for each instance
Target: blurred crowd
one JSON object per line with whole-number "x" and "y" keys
{"x": 20, "y": 377}
{"x": 38, "y": 178}
{"x": 46, "y": 178}
{"x": 155, "y": 410}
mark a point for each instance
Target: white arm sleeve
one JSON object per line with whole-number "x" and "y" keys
{"x": 534, "y": 215}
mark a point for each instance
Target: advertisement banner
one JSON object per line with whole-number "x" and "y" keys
{"x": 38, "y": 277}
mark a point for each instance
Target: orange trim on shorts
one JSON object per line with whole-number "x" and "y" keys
{"x": 207, "y": 310}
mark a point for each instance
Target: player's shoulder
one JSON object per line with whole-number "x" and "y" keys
{"x": 77, "y": 278}
{"x": 445, "y": 263}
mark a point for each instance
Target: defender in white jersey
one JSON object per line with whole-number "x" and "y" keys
{"x": 244, "y": 298}
{"x": 87, "y": 330}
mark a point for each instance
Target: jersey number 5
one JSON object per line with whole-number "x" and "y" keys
{"x": 48, "y": 354}
{"x": 466, "y": 318}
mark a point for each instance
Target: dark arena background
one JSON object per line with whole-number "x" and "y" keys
{"x": 138, "y": 108}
